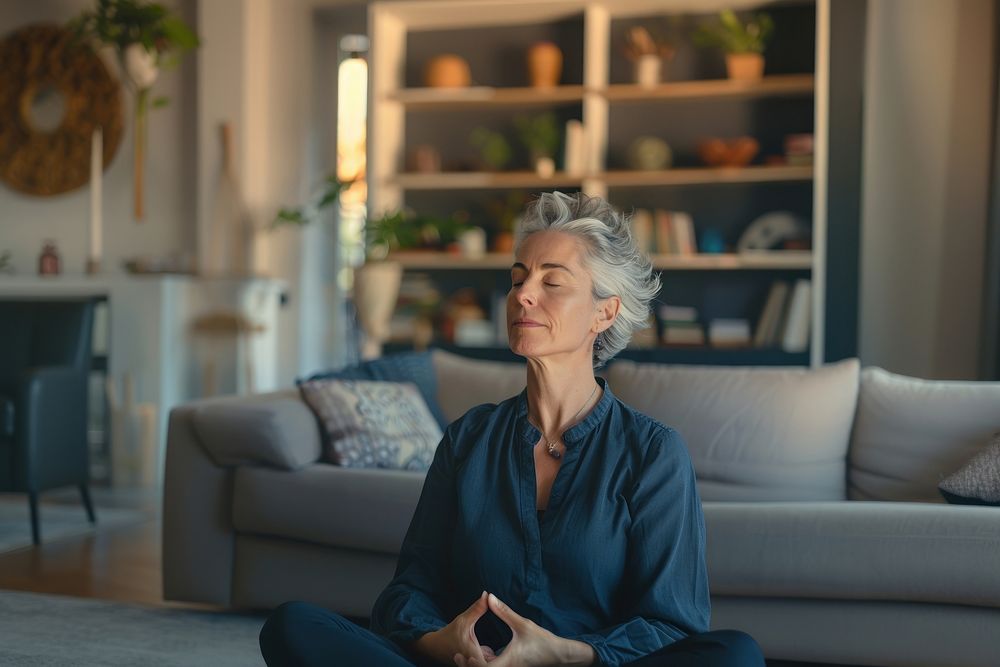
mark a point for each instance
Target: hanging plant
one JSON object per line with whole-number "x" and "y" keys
{"x": 146, "y": 38}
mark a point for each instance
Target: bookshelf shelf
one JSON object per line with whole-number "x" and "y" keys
{"x": 706, "y": 176}
{"x": 476, "y": 180}
{"x": 758, "y": 260}
{"x": 771, "y": 86}
{"x": 478, "y": 97}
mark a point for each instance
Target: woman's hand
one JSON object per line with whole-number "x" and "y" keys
{"x": 458, "y": 638}
{"x": 531, "y": 645}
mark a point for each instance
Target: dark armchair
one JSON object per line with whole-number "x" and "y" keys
{"x": 45, "y": 350}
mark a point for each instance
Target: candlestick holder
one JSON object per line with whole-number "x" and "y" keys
{"x": 93, "y": 266}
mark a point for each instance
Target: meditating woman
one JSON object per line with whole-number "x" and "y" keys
{"x": 560, "y": 527}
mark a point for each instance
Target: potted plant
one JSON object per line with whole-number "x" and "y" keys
{"x": 742, "y": 40}
{"x": 647, "y": 54}
{"x": 146, "y": 37}
{"x": 540, "y": 136}
{"x": 494, "y": 149}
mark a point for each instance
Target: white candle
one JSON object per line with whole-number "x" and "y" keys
{"x": 96, "y": 170}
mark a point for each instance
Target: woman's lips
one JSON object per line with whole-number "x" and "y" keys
{"x": 526, "y": 323}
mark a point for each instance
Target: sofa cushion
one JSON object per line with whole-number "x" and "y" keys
{"x": 464, "y": 383}
{"x": 909, "y": 434}
{"x": 353, "y": 508}
{"x": 415, "y": 367}
{"x": 275, "y": 429}
{"x": 978, "y": 481}
{"x": 373, "y": 424}
{"x": 916, "y": 552}
{"x": 754, "y": 434}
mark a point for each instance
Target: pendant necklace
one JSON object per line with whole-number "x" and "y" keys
{"x": 550, "y": 445}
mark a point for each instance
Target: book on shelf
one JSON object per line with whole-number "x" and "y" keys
{"x": 574, "y": 156}
{"x": 669, "y": 313}
{"x": 770, "y": 325}
{"x": 644, "y": 339}
{"x": 642, "y": 230}
{"x": 683, "y": 333}
{"x": 674, "y": 233}
{"x": 682, "y": 229}
{"x": 729, "y": 332}
{"x": 498, "y": 314}
{"x": 795, "y": 334}
{"x": 680, "y": 325}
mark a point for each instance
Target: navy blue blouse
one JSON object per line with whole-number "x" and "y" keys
{"x": 616, "y": 561}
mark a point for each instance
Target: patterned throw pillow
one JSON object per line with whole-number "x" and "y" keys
{"x": 415, "y": 367}
{"x": 978, "y": 481}
{"x": 373, "y": 424}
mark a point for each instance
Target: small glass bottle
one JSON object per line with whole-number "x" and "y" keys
{"x": 48, "y": 261}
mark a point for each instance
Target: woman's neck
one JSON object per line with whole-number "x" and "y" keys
{"x": 560, "y": 396}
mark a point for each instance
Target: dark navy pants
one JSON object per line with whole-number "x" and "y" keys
{"x": 298, "y": 634}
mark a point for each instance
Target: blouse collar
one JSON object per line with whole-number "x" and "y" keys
{"x": 576, "y": 433}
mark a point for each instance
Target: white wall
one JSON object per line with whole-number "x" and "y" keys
{"x": 927, "y": 132}
{"x": 169, "y": 225}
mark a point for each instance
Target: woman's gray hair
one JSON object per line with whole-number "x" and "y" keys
{"x": 617, "y": 266}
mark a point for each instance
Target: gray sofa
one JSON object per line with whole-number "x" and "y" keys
{"x": 827, "y": 539}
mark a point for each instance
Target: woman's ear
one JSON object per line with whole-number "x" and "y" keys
{"x": 607, "y": 311}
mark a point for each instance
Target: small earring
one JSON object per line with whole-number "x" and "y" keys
{"x": 598, "y": 344}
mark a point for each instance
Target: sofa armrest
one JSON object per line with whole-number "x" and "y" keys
{"x": 198, "y": 536}
{"x": 276, "y": 429}
{"x": 206, "y": 440}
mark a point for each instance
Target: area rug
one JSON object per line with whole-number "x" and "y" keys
{"x": 55, "y": 630}
{"x": 56, "y": 520}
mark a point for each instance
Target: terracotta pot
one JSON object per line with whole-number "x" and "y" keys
{"x": 503, "y": 242}
{"x": 447, "y": 71}
{"x": 745, "y": 66}
{"x": 545, "y": 62}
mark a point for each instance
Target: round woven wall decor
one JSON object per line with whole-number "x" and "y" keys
{"x": 53, "y": 93}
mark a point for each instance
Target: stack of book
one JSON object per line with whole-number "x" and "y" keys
{"x": 664, "y": 232}
{"x": 785, "y": 320}
{"x": 729, "y": 332}
{"x": 680, "y": 325}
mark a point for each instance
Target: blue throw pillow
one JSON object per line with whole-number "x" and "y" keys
{"x": 415, "y": 367}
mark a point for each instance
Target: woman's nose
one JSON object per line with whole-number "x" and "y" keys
{"x": 525, "y": 295}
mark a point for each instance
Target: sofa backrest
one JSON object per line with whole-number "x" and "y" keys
{"x": 909, "y": 433}
{"x": 754, "y": 434}
{"x": 464, "y": 383}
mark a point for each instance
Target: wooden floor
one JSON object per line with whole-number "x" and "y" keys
{"x": 120, "y": 563}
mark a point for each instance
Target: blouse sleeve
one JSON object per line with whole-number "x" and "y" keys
{"x": 665, "y": 594}
{"x": 411, "y": 605}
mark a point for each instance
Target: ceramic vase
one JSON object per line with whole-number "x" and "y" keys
{"x": 648, "y": 70}
{"x": 545, "y": 61}
{"x": 376, "y": 286}
{"x": 545, "y": 167}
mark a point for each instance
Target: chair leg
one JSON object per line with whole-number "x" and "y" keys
{"x": 36, "y": 537}
{"x": 89, "y": 506}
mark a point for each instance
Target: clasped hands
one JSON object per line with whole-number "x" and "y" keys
{"x": 530, "y": 645}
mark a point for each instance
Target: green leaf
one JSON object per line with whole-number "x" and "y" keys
{"x": 160, "y": 102}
